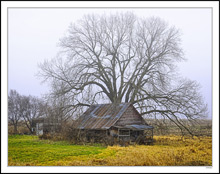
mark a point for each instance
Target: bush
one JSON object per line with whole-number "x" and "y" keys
{"x": 22, "y": 130}
{"x": 46, "y": 136}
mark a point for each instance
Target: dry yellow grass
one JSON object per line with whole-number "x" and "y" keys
{"x": 166, "y": 151}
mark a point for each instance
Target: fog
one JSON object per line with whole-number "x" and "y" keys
{"x": 33, "y": 35}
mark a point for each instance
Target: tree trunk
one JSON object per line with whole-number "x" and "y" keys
{"x": 15, "y": 129}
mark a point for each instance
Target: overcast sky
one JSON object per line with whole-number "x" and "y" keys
{"x": 33, "y": 35}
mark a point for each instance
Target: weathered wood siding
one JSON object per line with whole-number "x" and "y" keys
{"x": 130, "y": 116}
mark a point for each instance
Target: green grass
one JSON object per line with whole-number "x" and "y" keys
{"x": 26, "y": 150}
{"x": 29, "y": 150}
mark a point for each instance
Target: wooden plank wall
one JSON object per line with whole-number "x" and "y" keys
{"x": 131, "y": 116}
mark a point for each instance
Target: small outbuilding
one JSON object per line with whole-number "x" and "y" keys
{"x": 44, "y": 125}
{"x": 117, "y": 122}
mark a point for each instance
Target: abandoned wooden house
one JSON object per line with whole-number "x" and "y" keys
{"x": 120, "y": 122}
{"x": 45, "y": 125}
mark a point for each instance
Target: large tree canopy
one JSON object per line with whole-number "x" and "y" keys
{"x": 121, "y": 58}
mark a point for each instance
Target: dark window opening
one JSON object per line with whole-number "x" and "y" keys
{"x": 124, "y": 132}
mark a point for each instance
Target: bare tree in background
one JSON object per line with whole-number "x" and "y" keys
{"x": 23, "y": 108}
{"x": 14, "y": 115}
{"x": 59, "y": 109}
{"x": 31, "y": 108}
{"x": 122, "y": 58}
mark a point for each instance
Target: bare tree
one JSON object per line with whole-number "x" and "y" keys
{"x": 31, "y": 108}
{"x": 122, "y": 58}
{"x": 61, "y": 107}
{"x": 14, "y": 115}
{"x": 23, "y": 108}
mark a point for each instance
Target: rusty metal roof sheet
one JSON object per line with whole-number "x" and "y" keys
{"x": 101, "y": 116}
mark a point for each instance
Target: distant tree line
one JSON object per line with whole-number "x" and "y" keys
{"x": 22, "y": 110}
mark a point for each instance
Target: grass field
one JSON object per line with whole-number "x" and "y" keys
{"x": 24, "y": 150}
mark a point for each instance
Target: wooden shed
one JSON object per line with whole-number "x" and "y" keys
{"x": 121, "y": 122}
{"x": 44, "y": 125}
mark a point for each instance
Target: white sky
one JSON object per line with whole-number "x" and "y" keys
{"x": 33, "y": 34}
